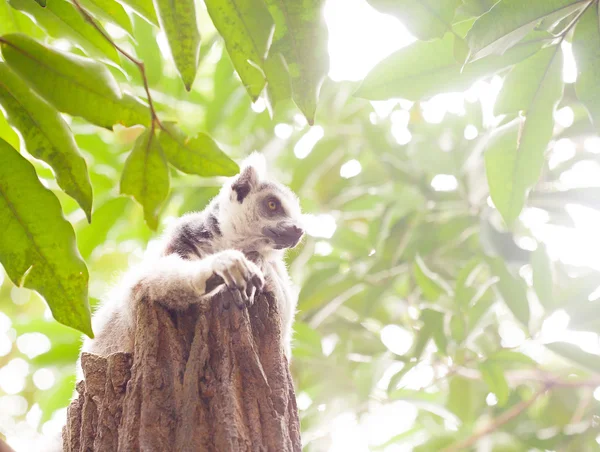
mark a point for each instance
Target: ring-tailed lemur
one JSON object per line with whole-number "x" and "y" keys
{"x": 251, "y": 216}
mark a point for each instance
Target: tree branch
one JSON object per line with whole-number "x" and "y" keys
{"x": 504, "y": 418}
{"x": 140, "y": 64}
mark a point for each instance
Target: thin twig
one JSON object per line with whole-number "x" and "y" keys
{"x": 140, "y": 64}
{"x": 504, "y": 418}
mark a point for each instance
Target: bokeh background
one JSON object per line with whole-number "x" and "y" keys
{"x": 405, "y": 339}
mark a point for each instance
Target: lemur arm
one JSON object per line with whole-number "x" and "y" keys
{"x": 175, "y": 282}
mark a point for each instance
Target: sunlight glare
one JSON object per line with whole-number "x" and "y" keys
{"x": 592, "y": 144}
{"x": 307, "y": 142}
{"x": 33, "y": 344}
{"x": 350, "y": 169}
{"x": 360, "y": 37}
{"x": 283, "y": 131}
{"x": 397, "y": 339}
{"x": 564, "y": 116}
{"x": 471, "y": 132}
{"x": 444, "y": 182}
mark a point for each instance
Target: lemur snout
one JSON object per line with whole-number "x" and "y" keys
{"x": 284, "y": 235}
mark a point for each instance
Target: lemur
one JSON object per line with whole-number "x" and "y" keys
{"x": 253, "y": 218}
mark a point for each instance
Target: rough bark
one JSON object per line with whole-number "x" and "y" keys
{"x": 211, "y": 379}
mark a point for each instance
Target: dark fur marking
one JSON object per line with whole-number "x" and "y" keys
{"x": 213, "y": 224}
{"x": 244, "y": 183}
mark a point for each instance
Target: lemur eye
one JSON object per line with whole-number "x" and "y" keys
{"x": 272, "y": 204}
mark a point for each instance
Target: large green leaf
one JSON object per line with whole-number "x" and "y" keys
{"x": 178, "y": 21}
{"x": 199, "y": 155}
{"x": 109, "y": 10}
{"x": 586, "y": 48}
{"x": 146, "y": 176}
{"x": 73, "y": 84}
{"x": 426, "y": 68}
{"x": 509, "y": 21}
{"x": 144, "y": 8}
{"x": 62, "y": 20}
{"x": 46, "y": 136}
{"x": 512, "y": 289}
{"x": 514, "y": 164}
{"x": 425, "y": 19}
{"x": 301, "y": 39}
{"x": 246, "y": 26}
{"x": 576, "y": 355}
{"x": 37, "y": 245}
{"x": 8, "y": 19}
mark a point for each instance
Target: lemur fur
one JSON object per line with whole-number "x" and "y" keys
{"x": 241, "y": 236}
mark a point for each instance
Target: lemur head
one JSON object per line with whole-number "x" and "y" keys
{"x": 258, "y": 212}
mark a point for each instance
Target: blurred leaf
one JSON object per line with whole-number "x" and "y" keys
{"x": 493, "y": 375}
{"x": 576, "y": 355}
{"x": 61, "y": 20}
{"x": 434, "y": 323}
{"x": 199, "y": 155}
{"x": 74, "y": 85}
{"x": 543, "y": 279}
{"x": 424, "y": 69}
{"x": 59, "y": 354}
{"x": 425, "y": 19}
{"x": 246, "y": 26}
{"x": 504, "y": 357}
{"x": 586, "y": 49}
{"x": 512, "y": 289}
{"x": 46, "y": 136}
{"x": 534, "y": 86}
{"x": 301, "y": 39}
{"x": 109, "y": 10}
{"x": 464, "y": 398}
{"x": 509, "y": 21}
{"x": 146, "y": 176}
{"x": 37, "y": 245}
{"x": 105, "y": 217}
{"x": 57, "y": 397}
{"x": 477, "y": 7}
{"x": 178, "y": 21}
{"x": 431, "y": 284}
{"x": 306, "y": 341}
{"x": 144, "y": 8}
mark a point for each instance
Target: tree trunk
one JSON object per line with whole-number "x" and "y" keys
{"x": 212, "y": 379}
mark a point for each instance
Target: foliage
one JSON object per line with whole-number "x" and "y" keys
{"x": 426, "y": 301}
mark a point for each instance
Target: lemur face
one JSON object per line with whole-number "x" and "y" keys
{"x": 264, "y": 209}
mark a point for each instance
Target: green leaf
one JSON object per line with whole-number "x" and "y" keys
{"x": 509, "y": 21}
{"x": 576, "y": 355}
{"x": 37, "y": 245}
{"x": 493, "y": 375}
{"x": 46, "y": 136}
{"x": 41, "y": 2}
{"x": 543, "y": 278}
{"x": 143, "y": 8}
{"x": 146, "y": 176}
{"x": 61, "y": 19}
{"x": 432, "y": 285}
{"x": 509, "y": 356}
{"x": 434, "y": 323}
{"x": 586, "y": 49}
{"x": 425, "y": 19}
{"x": 8, "y": 19}
{"x": 424, "y": 69}
{"x": 74, "y": 85}
{"x": 512, "y": 289}
{"x": 109, "y": 10}
{"x": 178, "y": 21}
{"x": 246, "y": 26}
{"x": 300, "y": 38}
{"x": 514, "y": 162}
{"x": 199, "y": 155}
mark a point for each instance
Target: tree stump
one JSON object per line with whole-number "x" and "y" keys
{"x": 211, "y": 378}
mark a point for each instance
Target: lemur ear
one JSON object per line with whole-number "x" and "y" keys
{"x": 254, "y": 169}
{"x": 243, "y": 185}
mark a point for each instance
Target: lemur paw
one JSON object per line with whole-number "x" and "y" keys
{"x": 243, "y": 278}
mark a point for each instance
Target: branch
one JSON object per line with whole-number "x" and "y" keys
{"x": 140, "y": 64}
{"x": 504, "y": 418}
